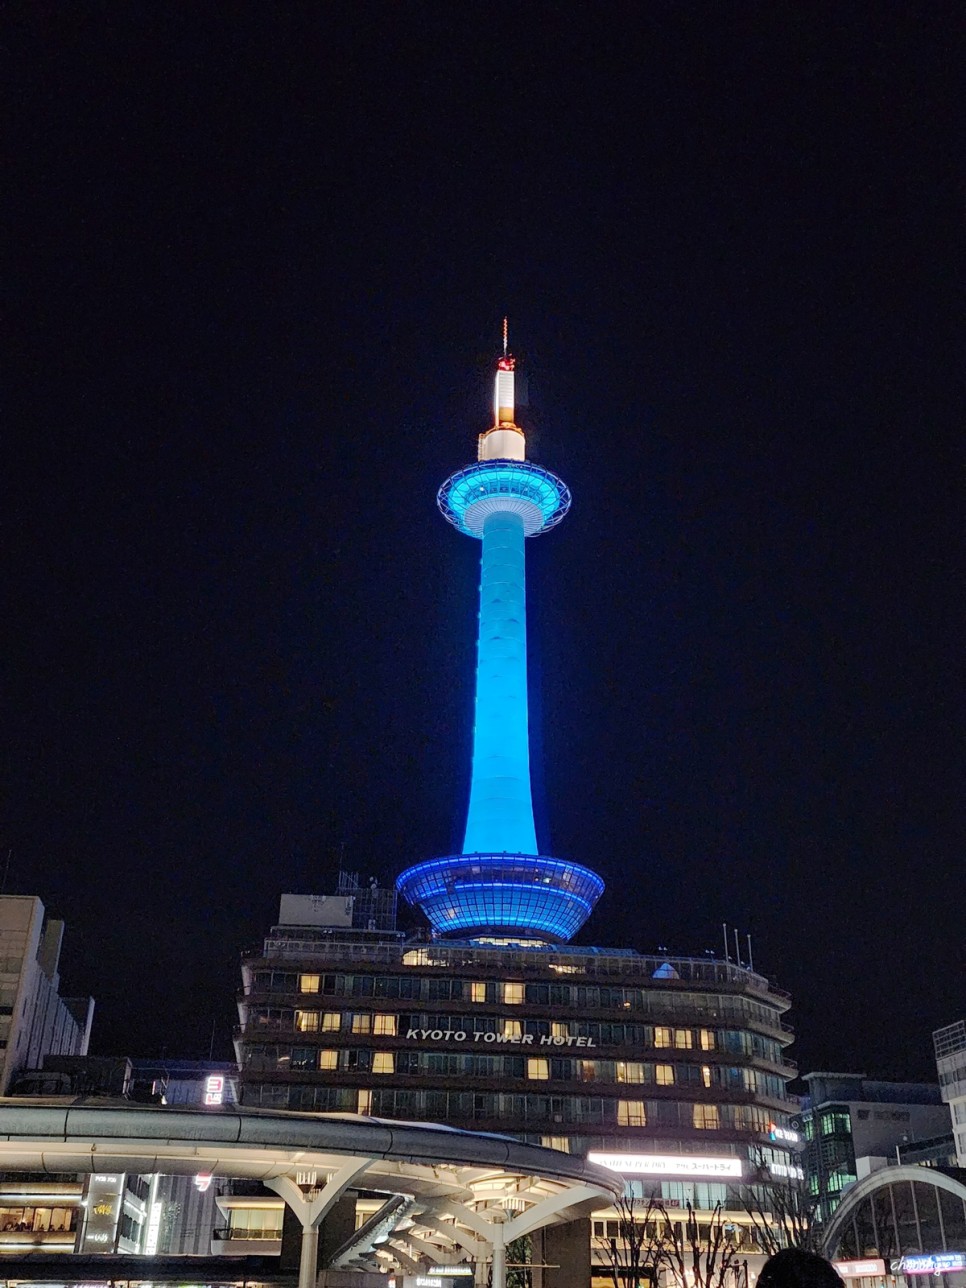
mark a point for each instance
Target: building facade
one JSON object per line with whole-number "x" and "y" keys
{"x": 950, "y": 1046}
{"x": 35, "y": 1021}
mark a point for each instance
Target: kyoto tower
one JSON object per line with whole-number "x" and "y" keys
{"x": 501, "y": 886}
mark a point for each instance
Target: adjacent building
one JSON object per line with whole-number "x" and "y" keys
{"x": 35, "y": 1021}
{"x": 950, "y": 1047}
{"x": 853, "y": 1125}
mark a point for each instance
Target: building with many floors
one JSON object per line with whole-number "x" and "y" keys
{"x": 853, "y": 1124}
{"x": 35, "y": 1021}
{"x": 950, "y": 1046}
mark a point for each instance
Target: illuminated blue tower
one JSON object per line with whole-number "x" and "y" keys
{"x": 501, "y": 886}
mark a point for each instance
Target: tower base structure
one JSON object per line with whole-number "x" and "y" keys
{"x": 531, "y": 896}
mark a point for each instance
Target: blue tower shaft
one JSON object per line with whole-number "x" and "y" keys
{"x": 500, "y": 816}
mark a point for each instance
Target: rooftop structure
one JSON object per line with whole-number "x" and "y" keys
{"x": 501, "y": 884}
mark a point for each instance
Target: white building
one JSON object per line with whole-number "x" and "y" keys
{"x": 35, "y": 1021}
{"x": 950, "y": 1046}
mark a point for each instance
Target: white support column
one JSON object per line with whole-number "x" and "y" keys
{"x": 309, "y": 1256}
{"x": 499, "y": 1257}
{"x": 311, "y": 1208}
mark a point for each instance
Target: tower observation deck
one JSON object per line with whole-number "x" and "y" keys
{"x": 501, "y": 885}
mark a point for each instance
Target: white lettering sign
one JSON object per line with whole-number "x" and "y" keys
{"x": 666, "y": 1164}
{"x": 511, "y": 1039}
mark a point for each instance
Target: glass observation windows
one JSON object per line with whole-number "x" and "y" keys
{"x": 383, "y": 1062}
{"x": 538, "y": 1068}
{"x": 631, "y": 1113}
{"x": 513, "y": 994}
{"x": 309, "y": 983}
{"x": 385, "y": 1026}
{"x": 706, "y": 1117}
{"x": 328, "y": 1060}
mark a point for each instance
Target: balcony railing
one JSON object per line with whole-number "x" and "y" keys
{"x": 572, "y": 961}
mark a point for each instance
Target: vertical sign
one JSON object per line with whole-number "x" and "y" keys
{"x": 215, "y": 1089}
{"x": 103, "y": 1210}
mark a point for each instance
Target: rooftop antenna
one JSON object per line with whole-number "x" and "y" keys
{"x": 506, "y": 334}
{"x": 724, "y": 932}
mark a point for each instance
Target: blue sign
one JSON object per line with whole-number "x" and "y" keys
{"x": 931, "y": 1263}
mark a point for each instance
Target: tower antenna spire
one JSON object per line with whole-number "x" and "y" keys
{"x": 506, "y": 332}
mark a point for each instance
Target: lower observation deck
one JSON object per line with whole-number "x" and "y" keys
{"x": 493, "y": 894}
{"x": 468, "y": 497}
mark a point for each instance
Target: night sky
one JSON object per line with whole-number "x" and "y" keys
{"x": 257, "y": 258}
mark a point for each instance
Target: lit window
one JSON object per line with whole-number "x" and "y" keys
{"x": 362, "y": 1023}
{"x": 477, "y": 991}
{"x": 682, "y": 1038}
{"x": 706, "y": 1074}
{"x": 383, "y": 1062}
{"x": 559, "y": 1030}
{"x": 631, "y": 1113}
{"x": 707, "y": 1039}
{"x": 385, "y": 1025}
{"x": 331, "y": 1022}
{"x": 706, "y": 1117}
{"x": 513, "y": 994}
{"x": 328, "y": 1059}
{"x": 662, "y": 1037}
{"x": 538, "y": 1069}
{"x": 664, "y": 1075}
{"x": 556, "y": 1142}
{"x": 309, "y": 983}
{"x": 364, "y": 1102}
{"x": 587, "y": 1070}
{"x": 630, "y": 1071}
{"x": 307, "y": 1021}
{"x": 512, "y": 1029}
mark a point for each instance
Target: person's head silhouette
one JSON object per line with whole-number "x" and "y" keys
{"x": 796, "y": 1268}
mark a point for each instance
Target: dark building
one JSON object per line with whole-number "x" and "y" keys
{"x": 853, "y": 1124}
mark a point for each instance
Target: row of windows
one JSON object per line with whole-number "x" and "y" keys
{"x": 472, "y": 1064}
{"x": 641, "y": 1036}
{"x": 437, "y": 1106}
{"x": 38, "y": 1218}
{"x": 515, "y": 993}
{"x": 389, "y": 1025}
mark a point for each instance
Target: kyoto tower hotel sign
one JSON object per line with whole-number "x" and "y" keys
{"x": 501, "y": 885}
